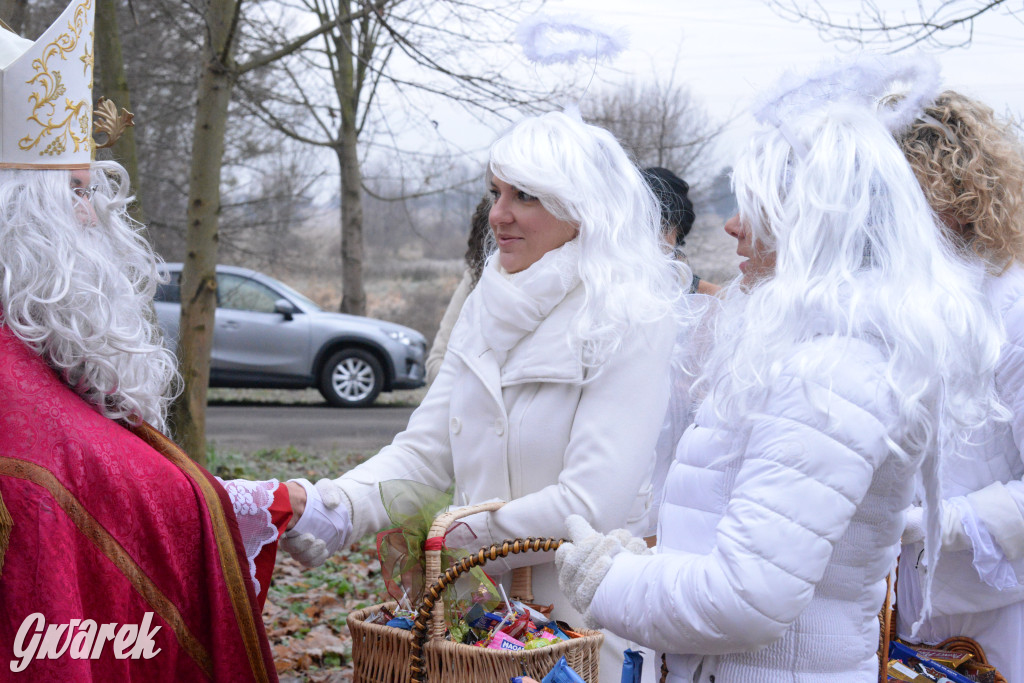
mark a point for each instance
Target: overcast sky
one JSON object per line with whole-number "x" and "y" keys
{"x": 727, "y": 50}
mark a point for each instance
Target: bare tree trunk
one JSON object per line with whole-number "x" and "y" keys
{"x": 353, "y": 298}
{"x": 198, "y": 278}
{"x": 14, "y": 13}
{"x": 114, "y": 86}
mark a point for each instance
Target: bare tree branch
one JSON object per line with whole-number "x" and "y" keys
{"x": 943, "y": 23}
{"x": 284, "y": 50}
{"x": 423, "y": 193}
{"x": 661, "y": 124}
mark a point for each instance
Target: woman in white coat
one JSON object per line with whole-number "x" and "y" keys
{"x": 554, "y": 386}
{"x": 972, "y": 170}
{"x": 850, "y": 348}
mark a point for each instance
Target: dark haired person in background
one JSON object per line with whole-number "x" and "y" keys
{"x": 677, "y": 216}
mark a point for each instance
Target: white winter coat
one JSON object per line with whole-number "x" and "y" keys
{"x": 987, "y": 477}
{"x": 771, "y": 564}
{"x": 514, "y": 415}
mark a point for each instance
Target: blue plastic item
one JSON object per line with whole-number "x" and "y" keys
{"x": 404, "y": 623}
{"x": 632, "y": 666}
{"x": 562, "y": 673}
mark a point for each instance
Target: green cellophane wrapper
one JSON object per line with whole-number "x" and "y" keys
{"x": 412, "y": 507}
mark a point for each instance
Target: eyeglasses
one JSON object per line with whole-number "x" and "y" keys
{"x": 85, "y": 193}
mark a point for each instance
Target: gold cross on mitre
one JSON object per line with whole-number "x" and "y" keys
{"x": 46, "y": 94}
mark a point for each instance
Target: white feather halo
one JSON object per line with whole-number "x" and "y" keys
{"x": 869, "y": 80}
{"x": 563, "y": 39}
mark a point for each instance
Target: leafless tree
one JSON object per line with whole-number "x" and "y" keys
{"x": 416, "y": 52}
{"x": 221, "y": 68}
{"x": 182, "y": 133}
{"x": 113, "y": 85}
{"x": 260, "y": 213}
{"x": 945, "y": 23}
{"x": 661, "y": 123}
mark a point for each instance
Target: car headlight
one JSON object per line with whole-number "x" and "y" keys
{"x": 400, "y": 337}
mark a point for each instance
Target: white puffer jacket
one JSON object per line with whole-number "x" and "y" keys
{"x": 986, "y": 481}
{"x": 515, "y": 416}
{"x": 771, "y": 565}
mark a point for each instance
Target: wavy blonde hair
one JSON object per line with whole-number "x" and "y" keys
{"x": 977, "y": 178}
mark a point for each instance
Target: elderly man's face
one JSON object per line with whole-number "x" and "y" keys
{"x": 81, "y": 187}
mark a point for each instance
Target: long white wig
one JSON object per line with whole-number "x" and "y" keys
{"x": 858, "y": 255}
{"x": 79, "y": 294}
{"x": 581, "y": 174}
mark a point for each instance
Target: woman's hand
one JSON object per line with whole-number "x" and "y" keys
{"x": 953, "y": 535}
{"x": 583, "y": 564}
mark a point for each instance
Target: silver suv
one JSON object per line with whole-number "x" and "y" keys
{"x": 268, "y": 335}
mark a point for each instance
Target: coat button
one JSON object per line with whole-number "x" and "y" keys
{"x": 455, "y": 425}
{"x": 499, "y": 427}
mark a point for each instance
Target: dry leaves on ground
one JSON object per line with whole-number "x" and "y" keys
{"x": 306, "y": 611}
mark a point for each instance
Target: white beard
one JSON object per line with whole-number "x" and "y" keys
{"x": 79, "y": 296}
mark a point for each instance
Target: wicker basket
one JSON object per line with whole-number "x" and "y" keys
{"x": 887, "y": 633}
{"x": 966, "y": 645}
{"x": 381, "y": 654}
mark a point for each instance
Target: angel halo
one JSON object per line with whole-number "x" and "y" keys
{"x": 896, "y": 88}
{"x": 563, "y": 39}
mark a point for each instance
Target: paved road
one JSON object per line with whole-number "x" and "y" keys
{"x": 319, "y": 428}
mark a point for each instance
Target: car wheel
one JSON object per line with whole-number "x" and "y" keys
{"x": 352, "y": 378}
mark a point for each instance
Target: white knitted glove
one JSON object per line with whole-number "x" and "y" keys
{"x": 954, "y": 537}
{"x": 324, "y": 526}
{"x": 631, "y": 543}
{"x": 913, "y": 529}
{"x": 583, "y": 564}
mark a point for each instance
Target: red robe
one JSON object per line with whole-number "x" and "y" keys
{"x": 110, "y": 525}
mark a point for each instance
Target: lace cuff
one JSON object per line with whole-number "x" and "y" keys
{"x": 251, "y": 501}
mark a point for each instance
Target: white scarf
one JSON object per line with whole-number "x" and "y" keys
{"x": 513, "y": 307}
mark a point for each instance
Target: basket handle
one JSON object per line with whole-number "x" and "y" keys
{"x": 433, "y": 593}
{"x": 432, "y": 558}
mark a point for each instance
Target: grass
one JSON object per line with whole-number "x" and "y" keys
{"x": 281, "y": 463}
{"x": 312, "y": 397}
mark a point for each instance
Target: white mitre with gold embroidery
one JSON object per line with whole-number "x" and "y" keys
{"x": 46, "y": 94}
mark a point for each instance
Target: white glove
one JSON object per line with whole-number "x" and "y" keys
{"x": 583, "y": 564}
{"x": 953, "y": 537}
{"x": 913, "y": 529}
{"x": 323, "y": 527}
{"x": 631, "y": 543}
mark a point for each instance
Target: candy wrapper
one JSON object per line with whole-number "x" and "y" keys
{"x": 503, "y": 641}
{"x": 927, "y": 665}
{"x": 562, "y": 673}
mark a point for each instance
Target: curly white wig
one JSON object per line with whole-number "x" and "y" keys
{"x": 79, "y": 294}
{"x": 858, "y": 255}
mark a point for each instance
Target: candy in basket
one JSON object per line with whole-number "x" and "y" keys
{"x": 436, "y": 647}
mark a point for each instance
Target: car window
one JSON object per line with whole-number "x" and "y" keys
{"x": 242, "y": 294}
{"x": 296, "y": 295}
{"x": 169, "y": 292}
